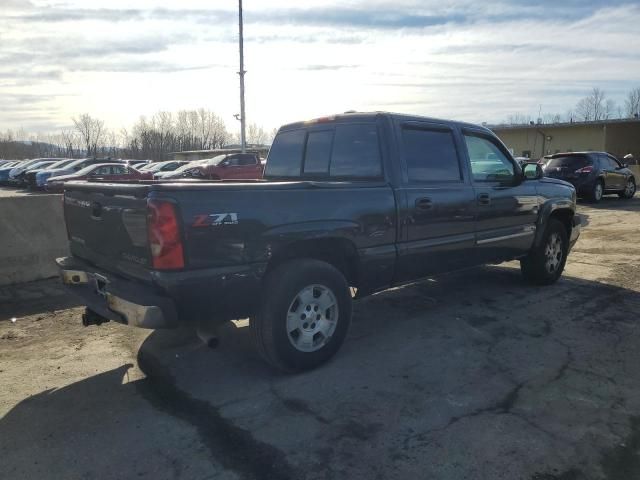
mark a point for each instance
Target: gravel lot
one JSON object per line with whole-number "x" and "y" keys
{"x": 468, "y": 376}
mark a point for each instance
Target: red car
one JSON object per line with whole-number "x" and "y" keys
{"x": 228, "y": 166}
{"x": 101, "y": 171}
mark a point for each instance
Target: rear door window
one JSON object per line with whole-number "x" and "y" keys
{"x": 285, "y": 155}
{"x": 430, "y": 155}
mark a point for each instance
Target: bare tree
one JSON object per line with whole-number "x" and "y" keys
{"x": 256, "y": 135}
{"x": 92, "y": 132}
{"x": 632, "y": 103}
{"x": 593, "y": 106}
{"x": 518, "y": 119}
{"x": 609, "y": 109}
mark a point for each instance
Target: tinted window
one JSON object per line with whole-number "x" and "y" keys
{"x": 355, "y": 151}
{"x": 246, "y": 160}
{"x": 572, "y": 162}
{"x": 318, "y": 152}
{"x": 285, "y": 155}
{"x": 430, "y": 155}
{"x": 488, "y": 162}
{"x": 117, "y": 170}
{"x": 613, "y": 162}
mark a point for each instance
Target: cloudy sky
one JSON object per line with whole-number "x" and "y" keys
{"x": 462, "y": 59}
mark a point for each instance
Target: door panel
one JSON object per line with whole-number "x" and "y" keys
{"x": 438, "y": 203}
{"x": 439, "y": 227}
{"x": 507, "y": 206}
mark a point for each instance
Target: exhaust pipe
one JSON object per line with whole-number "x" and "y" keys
{"x": 89, "y": 317}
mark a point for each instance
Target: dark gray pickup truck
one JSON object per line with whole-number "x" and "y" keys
{"x": 351, "y": 203}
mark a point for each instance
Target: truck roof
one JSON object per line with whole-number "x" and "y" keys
{"x": 371, "y": 116}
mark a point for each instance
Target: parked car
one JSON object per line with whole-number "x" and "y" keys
{"x": 593, "y": 174}
{"x": 20, "y": 180}
{"x": 5, "y": 170}
{"x": 160, "y": 167}
{"x": 337, "y": 210}
{"x": 31, "y": 173}
{"x": 101, "y": 171}
{"x": 67, "y": 169}
{"x": 178, "y": 172}
{"x": 229, "y": 166}
{"x": 18, "y": 169}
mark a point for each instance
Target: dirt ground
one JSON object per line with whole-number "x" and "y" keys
{"x": 474, "y": 375}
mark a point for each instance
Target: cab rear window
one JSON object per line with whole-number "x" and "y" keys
{"x": 340, "y": 151}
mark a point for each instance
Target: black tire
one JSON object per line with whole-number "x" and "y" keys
{"x": 630, "y": 189}
{"x": 537, "y": 266}
{"x": 595, "y": 195}
{"x": 282, "y": 290}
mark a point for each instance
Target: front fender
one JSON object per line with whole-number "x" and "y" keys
{"x": 549, "y": 207}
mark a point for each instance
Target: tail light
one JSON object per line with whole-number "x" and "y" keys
{"x": 587, "y": 169}
{"x": 165, "y": 241}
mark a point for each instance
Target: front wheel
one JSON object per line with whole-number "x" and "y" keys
{"x": 597, "y": 191}
{"x": 545, "y": 262}
{"x": 304, "y": 317}
{"x": 629, "y": 190}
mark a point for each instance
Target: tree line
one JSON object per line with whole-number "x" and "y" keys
{"x": 593, "y": 107}
{"x": 152, "y": 137}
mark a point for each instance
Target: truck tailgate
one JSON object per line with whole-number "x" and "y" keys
{"x": 107, "y": 226}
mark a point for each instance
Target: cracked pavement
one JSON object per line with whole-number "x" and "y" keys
{"x": 473, "y": 375}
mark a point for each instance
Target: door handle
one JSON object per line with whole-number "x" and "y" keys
{"x": 423, "y": 203}
{"x": 484, "y": 199}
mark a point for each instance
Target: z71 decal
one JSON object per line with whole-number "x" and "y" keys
{"x": 215, "y": 219}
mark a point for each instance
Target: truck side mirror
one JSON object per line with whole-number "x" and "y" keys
{"x": 532, "y": 171}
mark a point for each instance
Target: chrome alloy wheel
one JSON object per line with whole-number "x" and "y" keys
{"x": 553, "y": 253}
{"x": 598, "y": 191}
{"x": 312, "y": 318}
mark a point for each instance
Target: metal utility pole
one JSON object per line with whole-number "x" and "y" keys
{"x": 243, "y": 144}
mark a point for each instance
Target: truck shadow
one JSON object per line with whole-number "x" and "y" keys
{"x": 34, "y": 297}
{"x": 426, "y": 369}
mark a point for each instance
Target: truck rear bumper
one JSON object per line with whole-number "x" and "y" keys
{"x": 120, "y": 300}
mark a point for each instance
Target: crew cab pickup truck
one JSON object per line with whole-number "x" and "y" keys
{"x": 354, "y": 203}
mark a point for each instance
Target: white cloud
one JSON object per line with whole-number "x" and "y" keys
{"x": 469, "y": 60}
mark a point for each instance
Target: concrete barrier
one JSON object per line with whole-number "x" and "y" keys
{"x": 32, "y": 235}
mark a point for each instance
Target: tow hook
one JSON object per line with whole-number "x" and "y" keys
{"x": 89, "y": 317}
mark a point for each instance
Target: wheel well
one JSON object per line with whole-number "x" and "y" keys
{"x": 339, "y": 252}
{"x": 565, "y": 216}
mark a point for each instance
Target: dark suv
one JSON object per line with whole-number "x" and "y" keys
{"x": 593, "y": 174}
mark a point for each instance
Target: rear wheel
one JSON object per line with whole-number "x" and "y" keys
{"x": 629, "y": 190}
{"x": 597, "y": 191}
{"x": 304, "y": 317}
{"x": 545, "y": 262}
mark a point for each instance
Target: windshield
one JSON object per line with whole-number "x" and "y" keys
{"x": 573, "y": 162}
{"x": 215, "y": 160}
{"x": 87, "y": 169}
{"x": 153, "y": 167}
{"x": 189, "y": 165}
{"x": 60, "y": 164}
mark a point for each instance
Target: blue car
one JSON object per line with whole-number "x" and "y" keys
{"x": 4, "y": 171}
